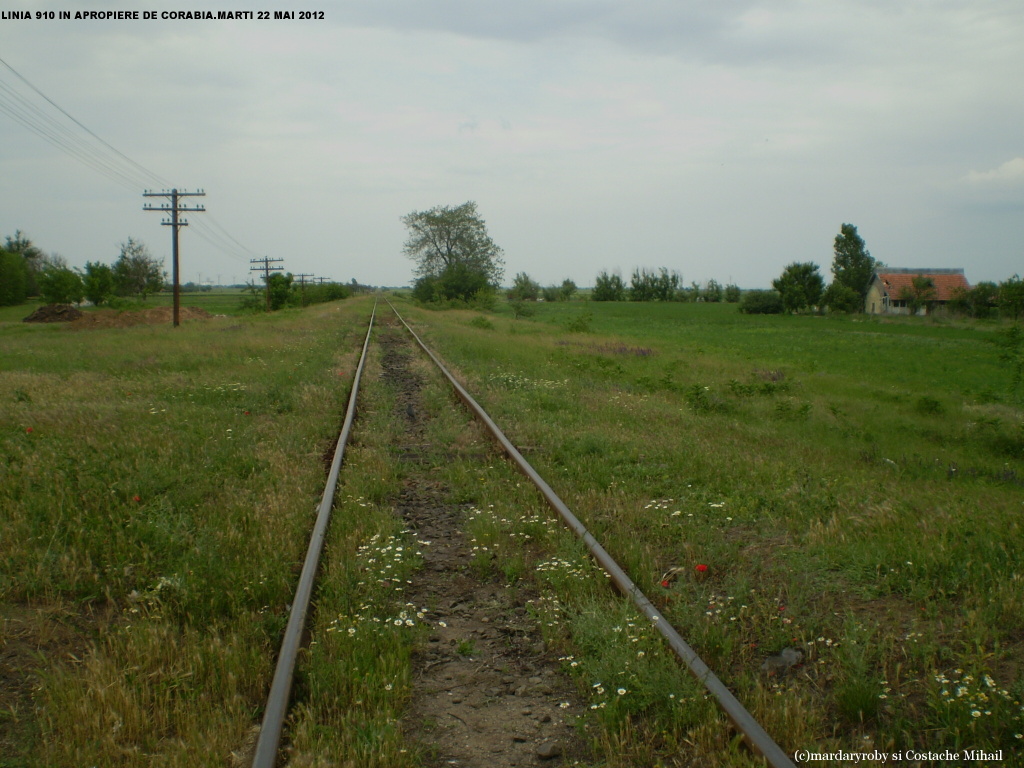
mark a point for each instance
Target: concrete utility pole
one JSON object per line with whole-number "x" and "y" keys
{"x": 174, "y": 209}
{"x": 264, "y": 264}
{"x": 302, "y": 286}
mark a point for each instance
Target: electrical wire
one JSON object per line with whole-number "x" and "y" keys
{"x": 102, "y": 157}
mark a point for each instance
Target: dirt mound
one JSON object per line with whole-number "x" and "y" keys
{"x": 112, "y": 318}
{"x": 54, "y": 313}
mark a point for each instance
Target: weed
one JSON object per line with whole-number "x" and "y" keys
{"x": 482, "y": 322}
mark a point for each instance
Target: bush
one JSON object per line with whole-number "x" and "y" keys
{"x": 458, "y": 282}
{"x": 761, "y": 303}
{"x": 582, "y": 323}
{"x": 482, "y": 322}
{"x": 842, "y": 298}
{"x": 60, "y": 285}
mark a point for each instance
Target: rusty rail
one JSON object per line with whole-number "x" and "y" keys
{"x": 756, "y": 737}
{"x": 280, "y": 689}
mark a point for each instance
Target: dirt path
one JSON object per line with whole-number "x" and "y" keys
{"x": 486, "y": 692}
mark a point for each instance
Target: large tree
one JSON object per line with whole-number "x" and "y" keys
{"x": 853, "y": 265}
{"x": 452, "y": 251}
{"x": 14, "y": 278}
{"x": 800, "y": 286}
{"x": 34, "y": 259}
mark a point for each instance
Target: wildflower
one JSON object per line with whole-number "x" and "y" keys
{"x": 621, "y": 691}
{"x": 136, "y": 497}
{"x": 665, "y": 583}
{"x": 701, "y": 568}
{"x": 28, "y": 430}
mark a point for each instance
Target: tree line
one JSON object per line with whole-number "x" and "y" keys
{"x": 457, "y": 261}
{"x": 25, "y": 271}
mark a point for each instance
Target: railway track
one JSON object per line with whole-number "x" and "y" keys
{"x": 489, "y": 631}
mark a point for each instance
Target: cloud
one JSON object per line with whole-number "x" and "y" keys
{"x": 1010, "y": 173}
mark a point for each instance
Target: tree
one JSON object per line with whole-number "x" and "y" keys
{"x": 99, "y": 282}
{"x": 800, "y": 286}
{"x": 852, "y": 265}
{"x": 654, "y": 286}
{"x": 60, "y": 285}
{"x": 920, "y": 294}
{"x": 733, "y": 293}
{"x": 567, "y": 290}
{"x": 841, "y": 298}
{"x": 279, "y": 289}
{"x": 712, "y": 291}
{"x": 608, "y": 287}
{"x": 524, "y": 288}
{"x": 33, "y": 259}
{"x": 1011, "y": 297}
{"x": 14, "y": 278}
{"x": 453, "y": 251}
{"x": 136, "y": 272}
{"x": 978, "y": 301}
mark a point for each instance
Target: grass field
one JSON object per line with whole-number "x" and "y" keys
{"x": 852, "y": 487}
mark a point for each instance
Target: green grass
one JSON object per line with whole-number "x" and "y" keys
{"x": 853, "y": 485}
{"x": 159, "y": 483}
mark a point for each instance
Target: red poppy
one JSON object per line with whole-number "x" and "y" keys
{"x": 28, "y": 430}
{"x": 664, "y": 583}
{"x": 701, "y": 568}
{"x": 136, "y": 497}
{"x": 782, "y": 607}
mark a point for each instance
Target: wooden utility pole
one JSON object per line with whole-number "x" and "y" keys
{"x": 264, "y": 265}
{"x": 323, "y": 280}
{"x": 174, "y": 209}
{"x": 302, "y": 287}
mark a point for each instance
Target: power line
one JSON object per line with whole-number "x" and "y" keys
{"x": 56, "y": 106}
{"x": 97, "y": 154}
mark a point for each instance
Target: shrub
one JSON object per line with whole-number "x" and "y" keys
{"x": 482, "y": 322}
{"x": 60, "y": 285}
{"x": 761, "y": 303}
{"x": 582, "y": 323}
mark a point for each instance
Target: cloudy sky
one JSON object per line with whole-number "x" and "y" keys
{"x": 720, "y": 139}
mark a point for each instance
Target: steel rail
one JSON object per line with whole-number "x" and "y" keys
{"x": 757, "y": 738}
{"x": 280, "y": 689}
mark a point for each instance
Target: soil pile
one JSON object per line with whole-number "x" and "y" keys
{"x": 111, "y": 318}
{"x": 54, "y": 313}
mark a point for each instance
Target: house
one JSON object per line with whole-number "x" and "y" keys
{"x": 891, "y": 288}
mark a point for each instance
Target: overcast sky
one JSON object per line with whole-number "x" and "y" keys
{"x": 721, "y": 139}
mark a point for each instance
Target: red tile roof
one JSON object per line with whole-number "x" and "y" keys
{"x": 945, "y": 282}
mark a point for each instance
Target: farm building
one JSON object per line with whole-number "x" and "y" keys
{"x": 896, "y": 291}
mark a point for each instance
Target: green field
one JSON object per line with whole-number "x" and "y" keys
{"x": 854, "y": 487}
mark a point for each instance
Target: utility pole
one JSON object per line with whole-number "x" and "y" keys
{"x": 302, "y": 287}
{"x": 265, "y": 263}
{"x": 174, "y": 209}
{"x": 323, "y": 280}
